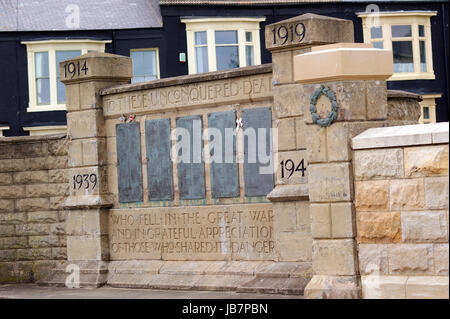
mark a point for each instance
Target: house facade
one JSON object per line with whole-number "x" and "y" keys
{"x": 169, "y": 38}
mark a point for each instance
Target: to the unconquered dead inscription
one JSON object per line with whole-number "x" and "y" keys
{"x": 219, "y": 232}
{"x": 189, "y": 94}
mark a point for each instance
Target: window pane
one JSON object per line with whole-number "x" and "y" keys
{"x": 426, "y": 112}
{"x": 61, "y": 91}
{"x": 421, "y": 31}
{"x": 376, "y": 32}
{"x": 43, "y": 91}
{"x": 378, "y": 45}
{"x": 201, "y": 58}
{"x": 401, "y": 31}
{"x": 200, "y": 38}
{"x": 41, "y": 63}
{"x": 248, "y": 36}
{"x": 403, "y": 56}
{"x": 42, "y": 78}
{"x": 62, "y": 56}
{"x": 249, "y": 55}
{"x": 227, "y": 57}
{"x": 65, "y": 55}
{"x": 226, "y": 37}
{"x": 138, "y": 79}
{"x": 137, "y": 57}
{"x": 150, "y": 63}
{"x": 423, "y": 58}
{"x": 144, "y": 65}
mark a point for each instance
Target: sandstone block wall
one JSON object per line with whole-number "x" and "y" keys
{"x": 402, "y": 210}
{"x": 33, "y": 187}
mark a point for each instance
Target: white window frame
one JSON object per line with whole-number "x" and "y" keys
{"x": 51, "y": 46}
{"x": 210, "y": 25}
{"x": 429, "y": 100}
{"x": 413, "y": 18}
{"x": 45, "y": 130}
{"x": 157, "y": 58}
{"x": 3, "y": 128}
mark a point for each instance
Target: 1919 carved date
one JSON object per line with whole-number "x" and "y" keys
{"x": 289, "y": 33}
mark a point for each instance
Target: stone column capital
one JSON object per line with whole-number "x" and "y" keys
{"x": 96, "y": 66}
{"x": 307, "y": 30}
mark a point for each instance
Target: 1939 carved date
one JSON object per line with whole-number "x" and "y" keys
{"x": 85, "y": 179}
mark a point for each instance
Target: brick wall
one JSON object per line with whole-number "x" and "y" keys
{"x": 33, "y": 187}
{"x": 401, "y": 199}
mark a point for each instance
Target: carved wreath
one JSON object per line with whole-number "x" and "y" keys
{"x": 331, "y": 95}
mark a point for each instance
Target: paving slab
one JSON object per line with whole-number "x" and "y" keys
{"x": 32, "y": 291}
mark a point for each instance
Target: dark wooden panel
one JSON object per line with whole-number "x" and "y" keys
{"x": 191, "y": 175}
{"x": 159, "y": 164}
{"x": 224, "y": 174}
{"x": 129, "y": 166}
{"x": 256, "y": 184}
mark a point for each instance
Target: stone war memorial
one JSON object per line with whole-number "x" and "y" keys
{"x": 303, "y": 177}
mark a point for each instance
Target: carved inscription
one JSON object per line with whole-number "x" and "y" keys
{"x": 73, "y": 70}
{"x": 77, "y": 68}
{"x": 289, "y": 33}
{"x": 292, "y": 168}
{"x": 189, "y": 94}
{"x": 86, "y": 181}
{"x": 193, "y": 233}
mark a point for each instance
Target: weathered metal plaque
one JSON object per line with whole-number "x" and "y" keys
{"x": 223, "y": 167}
{"x": 257, "y": 182}
{"x": 129, "y": 168}
{"x": 159, "y": 163}
{"x": 191, "y": 170}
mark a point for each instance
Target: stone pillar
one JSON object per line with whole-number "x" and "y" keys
{"x": 88, "y": 202}
{"x": 344, "y": 91}
{"x": 286, "y": 39}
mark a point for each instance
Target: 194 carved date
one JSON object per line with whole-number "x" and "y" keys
{"x": 85, "y": 179}
{"x": 291, "y": 168}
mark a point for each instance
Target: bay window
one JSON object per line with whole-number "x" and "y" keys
{"x": 216, "y": 44}
{"x": 408, "y": 35}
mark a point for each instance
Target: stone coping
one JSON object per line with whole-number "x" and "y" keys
{"x": 25, "y": 139}
{"x": 188, "y": 79}
{"x": 405, "y": 135}
{"x": 393, "y": 94}
{"x": 218, "y": 75}
{"x": 340, "y": 62}
{"x": 286, "y": 193}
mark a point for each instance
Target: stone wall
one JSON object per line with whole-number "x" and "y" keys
{"x": 402, "y": 204}
{"x": 33, "y": 187}
{"x": 381, "y": 208}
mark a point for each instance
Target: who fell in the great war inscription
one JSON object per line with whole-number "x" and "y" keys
{"x": 190, "y": 233}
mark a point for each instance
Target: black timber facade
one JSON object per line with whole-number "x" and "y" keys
{"x": 170, "y": 39}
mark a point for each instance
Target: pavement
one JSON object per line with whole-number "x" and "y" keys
{"x": 32, "y": 291}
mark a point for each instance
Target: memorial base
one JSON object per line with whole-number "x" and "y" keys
{"x": 288, "y": 278}
{"x": 92, "y": 274}
{"x": 240, "y": 276}
{"x": 333, "y": 287}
